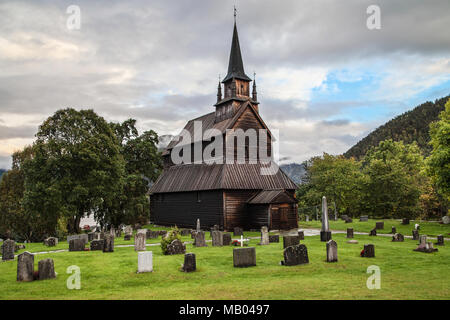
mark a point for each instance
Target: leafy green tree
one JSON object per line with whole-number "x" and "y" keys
{"x": 438, "y": 163}
{"x": 143, "y": 164}
{"x": 337, "y": 178}
{"x": 77, "y": 166}
{"x": 395, "y": 176}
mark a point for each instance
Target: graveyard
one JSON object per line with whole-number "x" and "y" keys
{"x": 405, "y": 274}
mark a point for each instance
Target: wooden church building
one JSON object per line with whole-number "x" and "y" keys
{"x": 227, "y": 193}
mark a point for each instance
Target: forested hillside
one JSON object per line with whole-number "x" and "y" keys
{"x": 413, "y": 125}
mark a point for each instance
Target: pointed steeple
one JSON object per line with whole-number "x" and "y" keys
{"x": 219, "y": 91}
{"x": 254, "y": 93}
{"x": 235, "y": 65}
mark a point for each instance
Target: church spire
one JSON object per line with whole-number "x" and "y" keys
{"x": 219, "y": 91}
{"x": 235, "y": 64}
{"x": 254, "y": 93}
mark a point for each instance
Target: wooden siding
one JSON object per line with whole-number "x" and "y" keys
{"x": 183, "y": 209}
{"x": 259, "y": 216}
{"x": 237, "y": 211}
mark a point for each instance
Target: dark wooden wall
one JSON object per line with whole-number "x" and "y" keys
{"x": 183, "y": 208}
{"x": 237, "y": 212}
{"x": 259, "y": 216}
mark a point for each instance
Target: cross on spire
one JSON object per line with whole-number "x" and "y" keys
{"x": 235, "y": 13}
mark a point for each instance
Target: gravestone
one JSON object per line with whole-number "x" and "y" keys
{"x": 244, "y": 257}
{"x": 18, "y": 247}
{"x": 139, "y": 241}
{"x": 301, "y": 235}
{"x": 51, "y": 241}
{"x": 127, "y": 237}
{"x": 274, "y": 238}
{"x": 108, "y": 245}
{"x": 217, "y": 238}
{"x": 151, "y": 234}
{"x": 369, "y": 251}
{"x": 46, "y": 269}
{"x": 25, "y": 266}
{"x": 373, "y": 232}
{"x": 8, "y": 248}
{"x": 325, "y": 233}
{"x": 446, "y": 219}
{"x": 332, "y": 251}
{"x": 76, "y": 244}
{"x": 238, "y": 231}
{"x": 97, "y": 245}
{"x": 295, "y": 255}
{"x": 199, "y": 239}
{"x": 349, "y": 233}
{"x": 190, "y": 264}
{"x": 364, "y": 218}
{"x": 440, "y": 240}
{"x": 344, "y": 217}
{"x": 393, "y": 230}
{"x": 79, "y": 236}
{"x": 307, "y": 218}
{"x": 398, "y": 237}
{"x": 198, "y": 226}
{"x": 162, "y": 233}
{"x": 290, "y": 241}
{"x": 226, "y": 239}
{"x": 415, "y": 235}
{"x": 176, "y": 247}
{"x": 264, "y": 236}
{"x": 425, "y": 246}
{"x": 348, "y": 220}
{"x": 422, "y": 239}
{"x": 145, "y": 261}
{"x": 379, "y": 225}
{"x": 185, "y": 232}
{"x": 405, "y": 221}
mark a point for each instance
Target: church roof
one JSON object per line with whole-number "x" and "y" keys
{"x": 235, "y": 65}
{"x": 272, "y": 196}
{"x": 197, "y": 177}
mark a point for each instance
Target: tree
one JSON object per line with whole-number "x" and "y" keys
{"x": 394, "y": 181}
{"x": 76, "y": 168}
{"x": 337, "y": 178}
{"x": 16, "y": 221}
{"x": 143, "y": 164}
{"x": 438, "y": 163}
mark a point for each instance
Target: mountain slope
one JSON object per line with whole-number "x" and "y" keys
{"x": 294, "y": 171}
{"x": 410, "y": 126}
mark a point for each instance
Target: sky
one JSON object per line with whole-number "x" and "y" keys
{"x": 325, "y": 80}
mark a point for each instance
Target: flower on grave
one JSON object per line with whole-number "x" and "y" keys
{"x": 362, "y": 253}
{"x": 87, "y": 249}
{"x": 236, "y": 243}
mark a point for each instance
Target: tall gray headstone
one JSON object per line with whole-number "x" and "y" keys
{"x": 25, "y": 266}
{"x": 198, "y": 225}
{"x": 46, "y": 269}
{"x": 226, "y": 239}
{"x": 199, "y": 239}
{"x": 264, "y": 236}
{"x": 8, "y": 248}
{"x": 108, "y": 245}
{"x": 332, "y": 251}
{"x": 76, "y": 244}
{"x": 139, "y": 241}
{"x": 217, "y": 238}
{"x": 325, "y": 233}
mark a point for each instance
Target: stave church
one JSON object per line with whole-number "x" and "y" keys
{"x": 225, "y": 193}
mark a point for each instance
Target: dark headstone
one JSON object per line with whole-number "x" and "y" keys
{"x": 274, "y": 238}
{"x": 185, "y": 232}
{"x": 25, "y": 266}
{"x": 364, "y": 218}
{"x": 46, "y": 269}
{"x": 190, "y": 264}
{"x": 91, "y": 236}
{"x": 332, "y": 251}
{"x": 325, "y": 236}
{"x": 109, "y": 243}
{"x": 199, "y": 240}
{"x": 97, "y": 245}
{"x": 83, "y": 236}
{"x": 369, "y": 251}
{"x": 127, "y": 237}
{"x": 301, "y": 235}
{"x": 290, "y": 241}
{"x": 238, "y": 231}
{"x": 162, "y": 232}
{"x": 244, "y": 257}
{"x": 394, "y": 230}
{"x": 379, "y": 225}
{"x": 425, "y": 246}
{"x": 415, "y": 235}
{"x": 405, "y": 221}
{"x": 349, "y": 233}
{"x": 51, "y": 242}
{"x": 440, "y": 240}
{"x": 217, "y": 238}
{"x": 344, "y": 217}
{"x": 398, "y": 237}
{"x": 295, "y": 255}
{"x": 348, "y": 220}
{"x": 226, "y": 239}
{"x": 76, "y": 244}
{"x": 373, "y": 232}
{"x": 176, "y": 247}
{"x": 151, "y": 234}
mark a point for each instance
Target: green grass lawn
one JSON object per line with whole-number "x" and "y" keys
{"x": 431, "y": 229}
{"x": 405, "y": 274}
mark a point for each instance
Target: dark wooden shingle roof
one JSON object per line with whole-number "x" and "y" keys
{"x": 272, "y": 196}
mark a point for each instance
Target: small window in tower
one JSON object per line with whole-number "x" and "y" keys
{"x": 199, "y": 197}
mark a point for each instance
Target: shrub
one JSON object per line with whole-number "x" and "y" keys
{"x": 169, "y": 237}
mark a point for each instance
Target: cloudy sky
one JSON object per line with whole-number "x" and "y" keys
{"x": 324, "y": 79}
